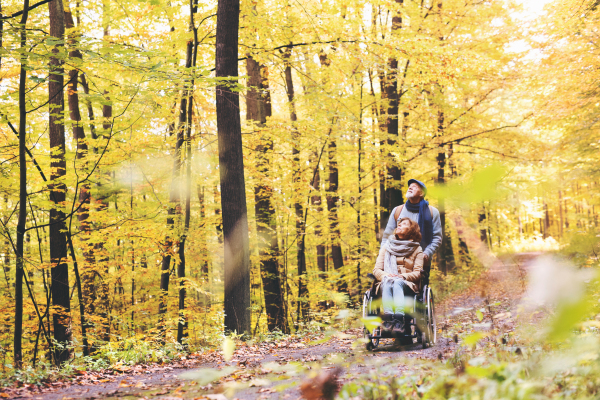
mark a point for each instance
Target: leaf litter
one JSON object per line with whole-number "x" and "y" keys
{"x": 476, "y": 321}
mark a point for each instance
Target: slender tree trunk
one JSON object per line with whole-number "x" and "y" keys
{"x": 58, "y": 241}
{"x": 359, "y": 199}
{"x": 205, "y": 269}
{"x": 102, "y": 266}
{"x": 18, "y": 334}
{"x": 192, "y": 49}
{"x": 333, "y": 199}
{"x": 258, "y": 109}
{"x": 231, "y": 167}
{"x": 332, "y": 208}
{"x": 546, "y": 220}
{"x": 560, "y": 210}
{"x": 297, "y": 181}
{"x": 446, "y": 257}
{"x": 393, "y": 193}
{"x": 84, "y": 189}
{"x": 174, "y": 210}
{"x": 375, "y": 115}
{"x": 88, "y": 276}
{"x": 316, "y": 202}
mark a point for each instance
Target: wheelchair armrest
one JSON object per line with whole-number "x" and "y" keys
{"x": 371, "y": 276}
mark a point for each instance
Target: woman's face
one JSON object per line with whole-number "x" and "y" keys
{"x": 402, "y": 229}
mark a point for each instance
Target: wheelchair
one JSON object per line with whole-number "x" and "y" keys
{"x": 421, "y": 314}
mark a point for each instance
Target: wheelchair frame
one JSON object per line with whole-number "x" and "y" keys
{"x": 422, "y": 319}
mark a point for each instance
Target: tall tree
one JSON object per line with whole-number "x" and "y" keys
{"x": 258, "y": 109}
{"x": 186, "y": 123}
{"x": 81, "y": 153}
{"x": 333, "y": 197}
{"x": 393, "y": 189}
{"x": 17, "y": 348}
{"x": 58, "y": 240}
{"x": 303, "y": 304}
{"x": 231, "y": 169}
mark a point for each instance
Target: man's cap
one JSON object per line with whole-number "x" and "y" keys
{"x": 420, "y": 184}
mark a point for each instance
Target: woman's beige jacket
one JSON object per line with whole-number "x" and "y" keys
{"x": 409, "y": 268}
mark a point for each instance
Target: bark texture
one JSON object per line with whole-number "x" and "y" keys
{"x": 231, "y": 168}
{"x": 58, "y": 241}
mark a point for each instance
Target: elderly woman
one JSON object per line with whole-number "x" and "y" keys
{"x": 398, "y": 270}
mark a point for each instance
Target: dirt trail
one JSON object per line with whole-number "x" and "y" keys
{"x": 252, "y": 362}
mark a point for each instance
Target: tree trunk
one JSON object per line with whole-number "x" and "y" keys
{"x": 332, "y": 204}
{"x": 333, "y": 199}
{"x": 192, "y": 49}
{"x": 446, "y": 258}
{"x": 231, "y": 168}
{"x": 205, "y": 270}
{"x": 359, "y": 172}
{"x": 174, "y": 211}
{"x": 393, "y": 190}
{"x": 297, "y": 185}
{"x": 18, "y": 334}
{"x": 316, "y": 202}
{"x": 384, "y": 211}
{"x": 258, "y": 109}
{"x": 100, "y": 269}
{"x": 84, "y": 189}
{"x": 560, "y": 210}
{"x": 58, "y": 240}
{"x": 88, "y": 276}
{"x": 375, "y": 114}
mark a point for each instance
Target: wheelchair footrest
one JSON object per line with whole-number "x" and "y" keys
{"x": 391, "y": 336}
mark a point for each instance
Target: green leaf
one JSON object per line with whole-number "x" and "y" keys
{"x": 37, "y": 79}
{"x": 480, "y": 372}
{"x": 566, "y": 317}
{"x": 479, "y": 315}
{"x": 474, "y": 338}
{"x": 371, "y": 322}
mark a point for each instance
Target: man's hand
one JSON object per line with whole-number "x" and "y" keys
{"x": 425, "y": 257}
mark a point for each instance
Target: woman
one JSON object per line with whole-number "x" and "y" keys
{"x": 398, "y": 269}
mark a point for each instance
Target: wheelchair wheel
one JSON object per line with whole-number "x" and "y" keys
{"x": 430, "y": 334}
{"x": 369, "y": 311}
{"x": 372, "y": 343}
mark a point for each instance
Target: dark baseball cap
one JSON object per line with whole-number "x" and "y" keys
{"x": 418, "y": 183}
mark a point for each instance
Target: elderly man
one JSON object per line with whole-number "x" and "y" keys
{"x": 419, "y": 210}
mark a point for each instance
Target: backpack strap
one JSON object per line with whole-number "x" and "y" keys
{"x": 397, "y": 212}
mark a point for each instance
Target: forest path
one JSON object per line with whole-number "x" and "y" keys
{"x": 256, "y": 366}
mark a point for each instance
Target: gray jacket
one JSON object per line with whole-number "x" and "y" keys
{"x": 437, "y": 228}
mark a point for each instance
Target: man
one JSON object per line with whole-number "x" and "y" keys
{"x": 418, "y": 209}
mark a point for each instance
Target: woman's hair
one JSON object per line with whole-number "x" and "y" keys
{"x": 414, "y": 232}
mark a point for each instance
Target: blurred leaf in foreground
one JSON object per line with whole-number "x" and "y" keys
{"x": 482, "y": 185}
{"x": 205, "y": 376}
{"x": 228, "y": 348}
{"x": 371, "y": 322}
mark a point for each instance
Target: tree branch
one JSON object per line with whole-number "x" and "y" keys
{"x": 36, "y": 5}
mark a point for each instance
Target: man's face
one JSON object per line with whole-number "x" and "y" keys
{"x": 414, "y": 191}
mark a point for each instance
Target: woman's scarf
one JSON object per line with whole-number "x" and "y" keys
{"x": 397, "y": 248}
{"x": 425, "y": 220}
